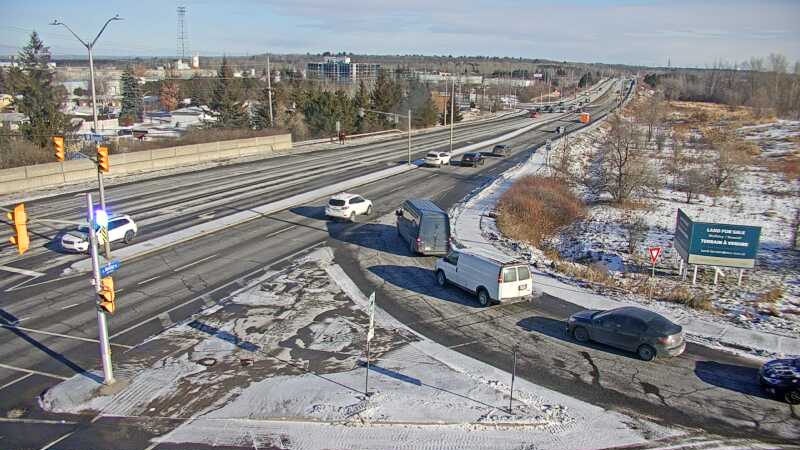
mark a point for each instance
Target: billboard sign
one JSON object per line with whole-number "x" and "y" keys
{"x": 716, "y": 244}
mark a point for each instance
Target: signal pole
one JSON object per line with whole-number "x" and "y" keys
{"x": 89, "y": 46}
{"x": 452, "y": 112}
{"x": 105, "y": 349}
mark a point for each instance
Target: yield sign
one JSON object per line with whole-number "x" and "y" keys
{"x": 654, "y": 253}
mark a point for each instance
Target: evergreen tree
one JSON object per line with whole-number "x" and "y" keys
{"x": 199, "y": 90}
{"x": 428, "y": 114}
{"x": 386, "y": 97}
{"x": 226, "y": 100}
{"x": 35, "y": 94}
{"x": 132, "y": 102}
{"x": 363, "y": 100}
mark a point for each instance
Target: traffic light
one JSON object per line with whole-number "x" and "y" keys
{"x": 19, "y": 222}
{"x": 102, "y": 159}
{"x": 58, "y": 143}
{"x": 107, "y": 297}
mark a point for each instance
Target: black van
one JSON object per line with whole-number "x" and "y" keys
{"x": 425, "y": 227}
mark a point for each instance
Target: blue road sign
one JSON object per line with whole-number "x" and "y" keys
{"x": 109, "y": 268}
{"x": 716, "y": 244}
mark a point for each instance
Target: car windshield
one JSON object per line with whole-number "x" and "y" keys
{"x": 433, "y": 155}
{"x": 336, "y": 202}
{"x": 469, "y": 155}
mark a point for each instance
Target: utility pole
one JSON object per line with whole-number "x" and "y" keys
{"x": 105, "y": 349}
{"x": 409, "y": 137}
{"x": 89, "y": 47}
{"x": 452, "y": 113}
{"x": 269, "y": 92}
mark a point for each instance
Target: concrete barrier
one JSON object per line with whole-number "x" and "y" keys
{"x": 49, "y": 175}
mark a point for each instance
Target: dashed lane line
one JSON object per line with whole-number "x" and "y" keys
{"x": 149, "y": 280}
{"x": 194, "y": 263}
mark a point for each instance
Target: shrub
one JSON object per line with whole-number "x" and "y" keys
{"x": 536, "y": 207}
{"x": 18, "y": 153}
{"x": 684, "y": 296}
{"x": 771, "y": 296}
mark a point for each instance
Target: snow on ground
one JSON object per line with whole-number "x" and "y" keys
{"x": 280, "y": 363}
{"x": 601, "y": 238}
{"x": 781, "y": 138}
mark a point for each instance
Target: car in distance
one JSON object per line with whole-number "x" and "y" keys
{"x": 629, "y": 328}
{"x": 424, "y": 226}
{"x": 120, "y": 228}
{"x": 347, "y": 206}
{"x": 493, "y": 278}
{"x": 437, "y": 159}
{"x": 501, "y": 150}
{"x": 472, "y": 159}
{"x": 781, "y": 378}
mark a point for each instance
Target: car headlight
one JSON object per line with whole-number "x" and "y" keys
{"x": 771, "y": 380}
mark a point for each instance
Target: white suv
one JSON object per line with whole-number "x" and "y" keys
{"x": 347, "y": 206}
{"x": 120, "y": 228}
{"x": 437, "y": 159}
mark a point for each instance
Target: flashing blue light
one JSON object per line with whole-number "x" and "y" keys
{"x": 101, "y": 218}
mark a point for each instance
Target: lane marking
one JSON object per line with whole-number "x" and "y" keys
{"x": 65, "y": 336}
{"x": 25, "y": 284}
{"x": 70, "y": 306}
{"x": 58, "y": 440}
{"x": 396, "y": 189}
{"x": 194, "y": 263}
{"x": 29, "y": 273}
{"x": 280, "y": 231}
{"x": 15, "y": 381}
{"x": 39, "y": 421}
{"x": 34, "y": 372}
{"x": 149, "y": 279}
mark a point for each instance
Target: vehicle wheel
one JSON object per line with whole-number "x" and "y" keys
{"x": 792, "y": 397}
{"x": 483, "y": 297}
{"x": 441, "y": 279}
{"x": 128, "y": 236}
{"x": 353, "y": 216}
{"x": 369, "y": 210}
{"x": 580, "y": 334}
{"x": 646, "y": 353}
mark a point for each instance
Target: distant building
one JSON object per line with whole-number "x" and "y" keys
{"x": 12, "y": 120}
{"x": 339, "y": 69}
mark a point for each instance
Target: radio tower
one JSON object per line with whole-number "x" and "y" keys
{"x": 183, "y": 38}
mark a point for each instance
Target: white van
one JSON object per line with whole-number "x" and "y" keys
{"x": 492, "y": 277}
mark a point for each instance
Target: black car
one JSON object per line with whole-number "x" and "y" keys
{"x": 781, "y": 378}
{"x": 629, "y": 328}
{"x": 472, "y": 159}
{"x": 501, "y": 150}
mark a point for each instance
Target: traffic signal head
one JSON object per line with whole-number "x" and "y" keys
{"x": 106, "y": 297}
{"x": 102, "y": 159}
{"x": 58, "y": 144}
{"x": 19, "y": 223}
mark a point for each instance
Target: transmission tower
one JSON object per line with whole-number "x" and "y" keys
{"x": 183, "y": 34}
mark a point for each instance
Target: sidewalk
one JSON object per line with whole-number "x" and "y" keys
{"x": 280, "y": 363}
{"x": 473, "y": 228}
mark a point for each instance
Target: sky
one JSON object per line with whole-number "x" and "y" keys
{"x": 687, "y": 33}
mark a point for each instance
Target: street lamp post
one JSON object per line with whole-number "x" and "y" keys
{"x": 89, "y": 46}
{"x": 363, "y": 111}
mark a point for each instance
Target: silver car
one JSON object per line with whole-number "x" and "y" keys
{"x": 629, "y": 328}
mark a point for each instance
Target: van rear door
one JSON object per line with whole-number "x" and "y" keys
{"x": 434, "y": 234}
{"x": 515, "y": 281}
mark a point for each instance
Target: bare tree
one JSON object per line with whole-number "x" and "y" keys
{"x": 729, "y": 159}
{"x": 652, "y": 114}
{"x": 676, "y": 160}
{"x": 694, "y": 182}
{"x": 625, "y": 169}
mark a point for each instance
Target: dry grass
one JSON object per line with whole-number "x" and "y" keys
{"x": 682, "y": 295}
{"x": 597, "y": 272}
{"x": 699, "y": 114}
{"x": 788, "y": 167}
{"x": 771, "y": 296}
{"x": 536, "y": 207}
{"x": 195, "y": 136}
{"x": 23, "y": 153}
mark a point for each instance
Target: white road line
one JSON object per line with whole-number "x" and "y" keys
{"x": 34, "y": 372}
{"x": 25, "y": 284}
{"x": 66, "y": 336}
{"x": 396, "y": 189}
{"x": 149, "y": 279}
{"x": 40, "y": 421}
{"x": 280, "y": 231}
{"x": 29, "y": 273}
{"x": 15, "y": 381}
{"x": 57, "y": 440}
{"x": 70, "y": 306}
{"x": 193, "y": 263}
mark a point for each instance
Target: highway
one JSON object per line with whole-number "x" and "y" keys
{"x": 49, "y": 327}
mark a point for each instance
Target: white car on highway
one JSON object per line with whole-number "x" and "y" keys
{"x": 347, "y": 206}
{"x": 437, "y": 159}
{"x": 120, "y": 228}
